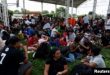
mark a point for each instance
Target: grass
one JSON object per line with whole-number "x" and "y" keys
{"x": 38, "y": 65}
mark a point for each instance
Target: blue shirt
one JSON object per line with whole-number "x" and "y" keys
{"x": 86, "y": 19}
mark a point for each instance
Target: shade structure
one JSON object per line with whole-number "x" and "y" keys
{"x": 61, "y": 2}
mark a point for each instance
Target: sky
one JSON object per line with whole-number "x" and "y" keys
{"x": 84, "y": 8}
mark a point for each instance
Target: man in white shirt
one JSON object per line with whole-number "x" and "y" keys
{"x": 54, "y": 32}
{"x": 95, "y": 58}
{"x": 47, "y": 26}
{"x": 27, "y": 22}
{"x": 98, "y": 60}
{"x": 107, "y": 26}
{"x": 86, "y": 19}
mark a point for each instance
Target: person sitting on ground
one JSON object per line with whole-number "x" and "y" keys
{"x": 12, "y": 60}
{"x": 44, "y": 38}
{"x": 71, "y": 36}
{"x": 106, "y": 39}
{"x": 85, "y": 43}
{"x": 29, "y": 31}
{"x": 56, "y": 65}
{"x": 72, "y": 53}
{"x": 42, "y": 51}
{"x": 33, "y": 42}
{"x": 54, "y": 32}
{"x": 93, "y": 60}
{"x": 63, "y": 41}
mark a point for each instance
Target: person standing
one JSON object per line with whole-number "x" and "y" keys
{"x": 12, "y": 60}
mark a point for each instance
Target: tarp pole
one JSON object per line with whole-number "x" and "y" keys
{"x": 72, "y": 8}
{"x": 41, "y": 6}
{"x": 55, "y": 9}
{"x": 5, "y": 12}
{"x": 67, "y": 11}
{"x": 107, "y": 26}
{"x": 24, "y": 10}
{"x": 76, "y": 10}
{"x": 108, "y": 11}
{"x": 94, "y": 8}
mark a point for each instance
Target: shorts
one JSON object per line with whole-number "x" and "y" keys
{"x": 23, "y": 68}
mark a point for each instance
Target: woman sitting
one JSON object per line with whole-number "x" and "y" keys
{"x": 56, "y": 65}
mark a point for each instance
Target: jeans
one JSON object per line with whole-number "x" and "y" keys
{"x": 70, "y": 57}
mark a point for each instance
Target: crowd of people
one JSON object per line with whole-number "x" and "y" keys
{"x": 55, "y": 42}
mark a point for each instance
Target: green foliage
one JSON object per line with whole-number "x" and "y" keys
{"x": 38, "y": 67}
{"x": 91, "y": 13}
{"x": 17, "y": 12}
{"x": 10, "y": 13}
{"x": 60, "y": 12}
{"x": 45, "y": 12}
{"x": 24, "y": 10}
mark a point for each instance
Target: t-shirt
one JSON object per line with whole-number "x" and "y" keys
{"x": 33, "y": 21}
{"x": 98, "y": 60}
{"x": 10, "y": 58}
{"x": 63, "y": 43}
{"x": 30, "y": 31}
{"x": 27, "y": 22}
{"x": 84, "y": 41}
{"x": 32, "y": 41}
{"x": 56, "y": 66}
{"x": 108, "y": 22}
{"x": 72, "y": 36}
{"x": 53, "y": 33}
{"x": 46, "y": 26}
{"x": 86, "y": 19}
{"x": 72, "y": 21}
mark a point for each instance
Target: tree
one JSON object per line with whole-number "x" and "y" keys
{"x": 52, "y": 13}
{"x": 61, "y": 12}
{"x": 10, "y": 12}
{"x": 45, "y": 12}
{"x": 91, "y": 13}
{"x": 17, "y": 12}
{"x": 24, "y": 10}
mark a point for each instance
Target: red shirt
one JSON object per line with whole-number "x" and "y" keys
{"x": 62, "y": 42}
{"x": 72, "y": 21}
{"x": 32, "y": 41}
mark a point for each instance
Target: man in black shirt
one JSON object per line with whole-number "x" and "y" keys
{"x": 11, "y": 57}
